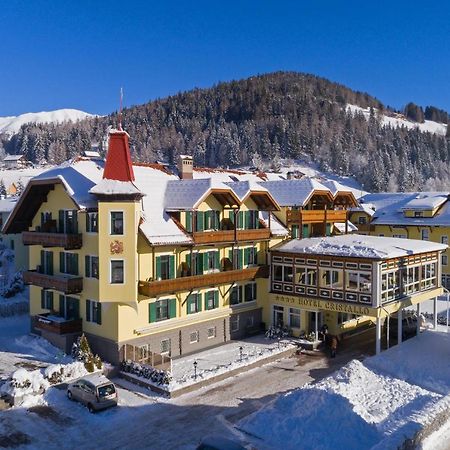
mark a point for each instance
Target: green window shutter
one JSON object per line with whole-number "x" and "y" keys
{"x": 328, "y": 229}
{"x": 240, "y": 294}
{"x": 172, "y": 308}
{"x": 75, "y": 263}
{"x": 231, "y": 215}
{"x": 50, "y": 303}
{"x": 240, "y": 220}
{"x": 171, "y": 266}
{"x": 294, "y": 231}
{"x": 50, "y": 262}
{"x": 200, "y": 221}
{"x": 88, "y": 310}
{"x": 62, "y": 267}
{"x": 42, "y": 259}
{"x": 99, "y": 313}
{"x": 42, "y": 299}
{"x": 61, "y": 221}
{"x": 189, "y": 221}
{"x": 75, "y": 221}
{"x": 152, "y": 312}
{"x": 230, "y": 255}
{"x": 87, "y": 223}
{"x": 217, "y": 220}
{"x": 158, "y": 267}
{"x": 87, "y": 266}
{"x": 240, "y": 258}
{"x": 216, "y": 260}
{"x": 199, "y": 261}
{"x": 246, "y": 255}
{"x": 76, "y": 304}
{"x": 188, "y": 303}
{"x": 246, "y": 220}
{"x": 61, "y": 305}
{"x": 216, "y": 299}
{"x": 205, "y": 261}
{"x": 199, "y": 302}
{"x": 305, "y": 231}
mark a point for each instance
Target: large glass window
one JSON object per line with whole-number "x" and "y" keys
{"x": 117, "y": 273}
{"x": 91, "y": 222}
{"x": 117, "y": 222}
{"x": 358, "y": 281}
{"x": 282, "y": 273}
{"x": 306, "y": 276}
{"x": 162, "y": 309}
{"x": 68, "y": 263}
{"x": 211, "y": 300}
{"x": 278, "y": 316}
{"x": 69, "y": 307}
{"x": 294, "y": 317}
{"x": 331, "y": 278}
{"x": 390, "y": 286}
{"x": 68, "y": 222}
{"x": 194, "y": 303}
{"x": 93, "y": 312}
{"x": 250, "y": 292}
{"x": 91, "y": 266}
{"x": 236, "y": 295}
{"x": 46, "y": 299}
{"x": 428, "y": 275}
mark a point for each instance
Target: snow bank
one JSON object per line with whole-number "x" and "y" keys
{"x": 375, "y": 404}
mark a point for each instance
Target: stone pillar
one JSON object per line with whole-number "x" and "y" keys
{"x": 435, "y": 313}
{"x": 378, "y": 336}
{"x": 418, "y": 319}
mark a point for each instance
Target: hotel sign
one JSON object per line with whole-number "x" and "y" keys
{"x": 327, "y": 305}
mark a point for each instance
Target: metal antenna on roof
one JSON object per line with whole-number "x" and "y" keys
{"x": 120, "y": 109}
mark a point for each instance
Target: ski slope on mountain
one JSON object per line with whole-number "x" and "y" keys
{"x": 401, "y": 121}
{"x": 11, "y": 125}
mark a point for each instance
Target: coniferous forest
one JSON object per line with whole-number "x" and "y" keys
{"x": 256, "y": 122}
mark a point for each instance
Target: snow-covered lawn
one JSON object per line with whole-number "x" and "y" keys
{"x": 375, "y": 403}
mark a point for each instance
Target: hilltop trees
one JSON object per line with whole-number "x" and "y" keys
{"x": 258, "y": 121}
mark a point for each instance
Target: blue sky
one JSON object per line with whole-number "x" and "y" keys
{"x": 77, "y": 54}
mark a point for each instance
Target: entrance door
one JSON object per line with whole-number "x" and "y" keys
{"x": 278, "y": 316}
{"x": 312, "y": 321}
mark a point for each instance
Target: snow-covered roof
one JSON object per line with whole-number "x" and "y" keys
{"x": 244, "y": 188}
{"x": 293, "y": 192}
{"x": 115, "y": 187}
{"x": 390, "y": 207}
{"x": 13, "y": 157}
{"x": 359, "y": 246}
{"x": 427, "y": 200}
{"x": 188, "y": 194}
{"x": 276, "y": 227}
{"x": 367, "y": 208}
{"x": 341, "y": 226}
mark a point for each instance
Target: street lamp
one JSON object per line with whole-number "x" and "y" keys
{"x": 195, "y": 370}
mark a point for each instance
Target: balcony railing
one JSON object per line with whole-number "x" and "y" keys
{"x": 67, "y": 241}
{"x": 69, "y": 284}
{"x": 316, "y": 216}
{"x": 56, "y": 324}
{"x": 154, "y": 288}
{"x": 214, "y": 237}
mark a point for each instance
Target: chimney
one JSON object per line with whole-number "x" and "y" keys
{"x": 290, "y": 176}
{"x": 186, "y": 167}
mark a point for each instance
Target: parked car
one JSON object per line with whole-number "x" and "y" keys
{"x": 96, "y": 392}
{"x": 409, "y": 327}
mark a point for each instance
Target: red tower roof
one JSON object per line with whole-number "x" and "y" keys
{"x": 118, "y": 164}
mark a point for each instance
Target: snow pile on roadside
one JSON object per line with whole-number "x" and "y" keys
{"x": 376, "y": 403}
{"x": 24, "y": 383}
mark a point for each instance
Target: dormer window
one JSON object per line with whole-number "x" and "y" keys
{"x": 418, "y": 214}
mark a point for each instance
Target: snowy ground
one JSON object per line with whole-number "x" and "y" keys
{"x": 377, "y": 402}
{"x": 216, "y": 361}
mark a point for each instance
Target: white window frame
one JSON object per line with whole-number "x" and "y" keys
{"x": 210, "y": 335}
{"x": 425, "y": 234}
{"x": 110, "y": 222}
{"x": 166, "y": 352}
{"x": 110, "y": 271}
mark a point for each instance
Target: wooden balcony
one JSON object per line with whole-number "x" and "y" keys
{"x": 56, "y": 324}
{"x": 67, "y": 241}
{"x": 69, "y": 284}
{"x": 155, "y": 288}
{"x": 217, "y": 237}
{"x": 316, "y": 216}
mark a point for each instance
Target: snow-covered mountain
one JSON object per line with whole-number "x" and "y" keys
{"x": 11, "y": 125}
{"x": 401, "y": 121}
